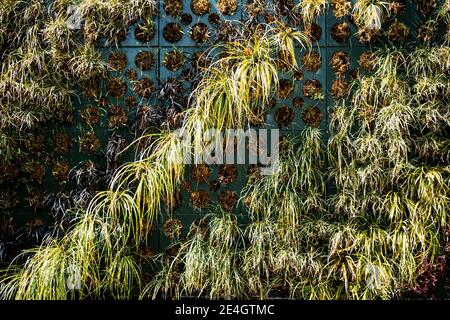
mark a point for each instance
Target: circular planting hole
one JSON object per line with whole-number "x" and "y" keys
{"x": 367, "y": 60}
{"x": 298, "y": 102}
{"x": 340, "y": 32}
{"x": 145, "y": 32}
{"x": 312, "y": 117}
{"x": 131, "y": 74}
{"x": 312, "y": 89}
{"x": 314, "y": 30}
{"x": 117, "y": 117}
{"x": 200, "y": 7}
{"x": 144, "y": 60}
{"x": 256, "y": 7}
{"x": 397, "y": 7}
{"x": 340, "y": 89}
{"x": 425, "y": 7}
{"x": 426, "y": 32}
{"x": 199, "y": 33}
{"x": 172, "y": 228}
{"x": 186, "y": 19}
{"x": 214, "y": 185}
{"x": 227, "y": 173}
{"x": 200, "y": 199}
{"x": 90, "y": 116}
{"x": 61, "y": 143}
{"x": 228, "y": 200}
{"x": 270, "y": 17}
{"x": 116, "y": 88}
{"x": 311, "y": 61}
{"x": 227, "y": 32}
{"x": 173, "y": 8}
{"x": 341, "y": 8}
{"x": 298, "y": 74}
{"x": 144, "y": 88}
{"x": 173, "y": 60}
{"x": 257, "y": 117}
{"x": 354, "y": 74}
{"x": 227, "y": 7}
{"x": 200, "y": 60}
{"x": 397, "y": 32}
{"x": 214, "y": 19}
{"x": 131, "y": 102}
{"x": 284, "y": 7}
{"x": 186, "y": 186}
{"x": 89, "y": 143}
{"x": 61, "y": 171}
{"x": 172, "y": 32}
{"x": 91, "y": 88}
{"x": 199, "y": 226}
{"x": 367, "y": 36}
{"x": 35, "y": 170}
{"x": 35, "y": 199}
{"x": 340, "y": 62}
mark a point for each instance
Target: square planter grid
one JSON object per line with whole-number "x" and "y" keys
{"x": 159, "y": 47}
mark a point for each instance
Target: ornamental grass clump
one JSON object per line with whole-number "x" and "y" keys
{"x": 393, "y": 194}
{"x": 210, "y": 260}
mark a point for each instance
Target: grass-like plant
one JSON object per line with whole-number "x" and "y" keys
{"x": 87, "y": 63}
{"x": 45, "y": 60}
{"x": 286, "y": 38}
{"x": 210, "y": 262}
{"x": 244, "y": 74}
{"x": 110, "y": 18}
{"x": 311, "y": 9}
{"x": 155, "y": 175}
{"x": 382, "y": 183}
{"x": 370, "y": 14}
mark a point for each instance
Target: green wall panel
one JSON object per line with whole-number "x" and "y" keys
{"x": 131, "y": 103}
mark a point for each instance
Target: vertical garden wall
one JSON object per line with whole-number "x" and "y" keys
{"x": 72, "y": 106}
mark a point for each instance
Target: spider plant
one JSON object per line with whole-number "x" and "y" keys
{"x": 88, "y": 63}
{"x": 259, "y": 256}
{"x": 111, "y": 18}
{"x": 252, "y": 69}
{"x": 48, "y": 268}
{"x": 155, "y": 174}
{"x": 311, "y": 9}
{"x": 286, "y": 37}
{"x": 209, "y": 260}
{"x": 122, "y": 277}
{"x": 58, "y": 35}
{"x": 370, "y": 14}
